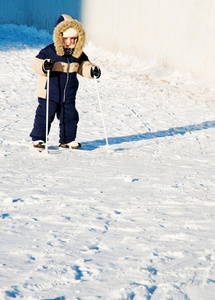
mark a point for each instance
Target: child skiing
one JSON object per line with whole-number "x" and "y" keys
{"x": 64, "y": 58}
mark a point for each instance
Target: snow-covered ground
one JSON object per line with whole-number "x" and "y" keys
{"x": 133, "y": 223}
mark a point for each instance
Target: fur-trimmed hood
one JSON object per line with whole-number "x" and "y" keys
{"x": 63, "y": 23}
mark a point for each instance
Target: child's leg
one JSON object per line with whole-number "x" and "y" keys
{"x": 69, "y": 118}
{"x": 39, "y": 130}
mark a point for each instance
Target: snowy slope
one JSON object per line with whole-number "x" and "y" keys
{"x": 135, "y": 223}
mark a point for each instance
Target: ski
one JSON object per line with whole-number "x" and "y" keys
{"x": 57, "y": 149}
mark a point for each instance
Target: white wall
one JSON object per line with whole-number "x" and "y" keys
{"x": 178, "y": 34}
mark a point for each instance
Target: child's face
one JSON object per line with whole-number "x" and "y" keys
{"x": 69, "y": 42}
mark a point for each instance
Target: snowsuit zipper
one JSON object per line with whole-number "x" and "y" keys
{"x": 64, "y": 99}
{"x": 67, "y": 79}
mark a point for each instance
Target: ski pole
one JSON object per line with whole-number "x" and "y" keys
{"x": 107, "y": 144}
{"x": 47, "y": 112}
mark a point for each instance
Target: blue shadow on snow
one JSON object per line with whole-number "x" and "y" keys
{"x": 92, "y": 145}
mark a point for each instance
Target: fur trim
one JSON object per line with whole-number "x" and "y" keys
{"x": 58, "y": 37}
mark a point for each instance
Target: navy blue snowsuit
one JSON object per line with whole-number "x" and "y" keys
{"x": 63, "y": 86}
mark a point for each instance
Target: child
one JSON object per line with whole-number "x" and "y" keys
{"x": 64, "y": 58}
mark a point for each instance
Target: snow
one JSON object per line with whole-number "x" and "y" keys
{"x": 136, "y": 222}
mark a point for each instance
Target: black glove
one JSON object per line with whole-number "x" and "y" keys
{"x": 47, "y": 65}
{"x": 95, "y": 72}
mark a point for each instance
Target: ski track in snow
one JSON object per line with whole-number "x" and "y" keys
{"x": 135, "y": 223}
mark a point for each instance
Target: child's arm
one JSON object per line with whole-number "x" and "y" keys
{"x": 43, "y": 55}
{"x": 86, "y": 67}
{"x": 38, "y": 66}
